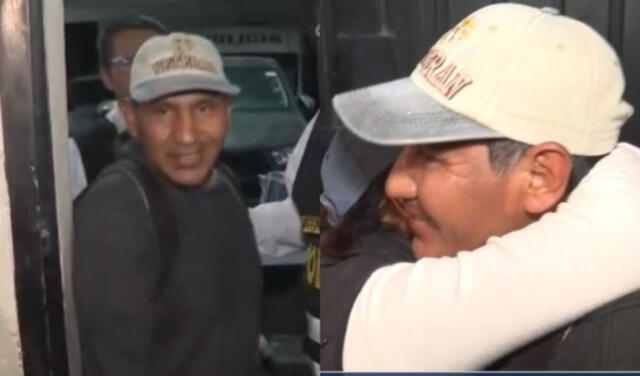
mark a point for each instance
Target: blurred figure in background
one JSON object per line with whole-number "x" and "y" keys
{"x": 99, "y": 131}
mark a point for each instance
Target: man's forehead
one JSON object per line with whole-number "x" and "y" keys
{"x": 143, "y": 31}
{"x": 132, "y": 38}
{"x": 189, "y": 97}
{"x": 449, "y": 146}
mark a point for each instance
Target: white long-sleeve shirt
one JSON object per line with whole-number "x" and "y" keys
{"x": 277, "y": 225}
{"x": 461, "y": 313}
{"x": 77, "y": 176}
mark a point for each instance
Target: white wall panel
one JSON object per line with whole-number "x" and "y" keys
{"x": 55, "y": 64}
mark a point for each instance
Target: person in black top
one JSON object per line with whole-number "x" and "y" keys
{"x": 361, "y": 233}
{"x": 369, "y": 236}
{"x": 167, "y": 277}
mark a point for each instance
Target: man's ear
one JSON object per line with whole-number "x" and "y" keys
{"x": 129, "y": 115}
{"x": 549, "y": 168}
{"x": 106, "y": 79}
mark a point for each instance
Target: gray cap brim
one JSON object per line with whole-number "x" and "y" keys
{"x": 399, "y": 113}
{"x": 160, "y": 87}
{"x": 348, "y": 167}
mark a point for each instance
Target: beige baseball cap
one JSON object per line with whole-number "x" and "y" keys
{"x": 506, "y": 71}
{"x": 177, "y": 62}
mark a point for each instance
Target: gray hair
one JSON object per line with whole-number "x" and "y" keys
{"x": 505, "y": 153}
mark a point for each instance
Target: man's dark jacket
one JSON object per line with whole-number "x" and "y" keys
{"x": 606, "y": 339}
{"x": 176, "y": 295}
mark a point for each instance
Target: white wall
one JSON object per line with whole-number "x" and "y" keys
{"x": 10, "y": 354}
{"x": 10, "y": 359}
{"x": 53, "y": 12}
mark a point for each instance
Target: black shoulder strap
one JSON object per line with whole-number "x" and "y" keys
{"x": 161, "y": 213}
{"x": 230, "y": 178}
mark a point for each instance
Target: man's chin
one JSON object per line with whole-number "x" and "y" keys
{"x": 188, "y": 179}
{"x": 419, "y": 249}
{"x": 422, "y": 248}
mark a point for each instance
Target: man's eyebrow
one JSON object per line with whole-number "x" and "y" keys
{"x": 444, "y": 146}
{"x": 208, "y": 98}
{"x": 427, "y": 151}
{"x": 435, "y": 148}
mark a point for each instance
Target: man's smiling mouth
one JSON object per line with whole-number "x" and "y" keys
{"x": 413, "y": 215}
{"x": 186, "y": 160}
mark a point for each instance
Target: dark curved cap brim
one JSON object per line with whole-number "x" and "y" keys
{"x": 399, "y": 113}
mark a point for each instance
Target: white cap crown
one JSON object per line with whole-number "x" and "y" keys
{"x": 530, "y": 75}
{"x": 176, "y": 62}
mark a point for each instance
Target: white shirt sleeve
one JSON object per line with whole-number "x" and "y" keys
{"x": 461, "y": 313}
{"x": 277, "y": 228}
{"x": 277, "y": 225}
{"x": 77, "y": 177}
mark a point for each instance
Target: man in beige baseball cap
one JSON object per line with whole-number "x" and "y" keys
{"x": 512, "y": 107}
{"x": 499, "y": 122}
{"x": 166, "y": 272}
{"x": 191, "y": 66}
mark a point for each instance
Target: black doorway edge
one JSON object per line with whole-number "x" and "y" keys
{"x": 30, "y": 178}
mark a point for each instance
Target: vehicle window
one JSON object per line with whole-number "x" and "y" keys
{"x": 262, "y": 89}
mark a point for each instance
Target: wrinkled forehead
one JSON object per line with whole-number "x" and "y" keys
{"x": 189, "y": 97}
{"x": 448, "y": 147}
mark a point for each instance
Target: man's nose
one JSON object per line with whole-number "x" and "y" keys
{"x": 401, "y": 183}
{"x": 185, "y": 129}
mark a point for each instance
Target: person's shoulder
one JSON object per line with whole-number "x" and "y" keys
{"x": 227, "y": 175}
{"x": 615, "y": 320}
{"x": 605, "y": 339}
{"x": 115, "y": 187}
{"x": 383, "y": 247}
{"x": 112, "y": 217}
{"x": 367, "y": 254}
{"x": 629, "y": 302}
{"x": 84, "y": 122}
{"x": 224, "y": 176}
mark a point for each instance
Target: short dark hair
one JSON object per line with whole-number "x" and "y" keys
{"x": 110, "y": 29}
{"x": 504, "y": 153}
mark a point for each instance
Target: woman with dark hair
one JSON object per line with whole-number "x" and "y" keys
{"x": 370, "y": 235}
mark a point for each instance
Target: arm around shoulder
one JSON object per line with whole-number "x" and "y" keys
{"x": 462, "y": 313}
